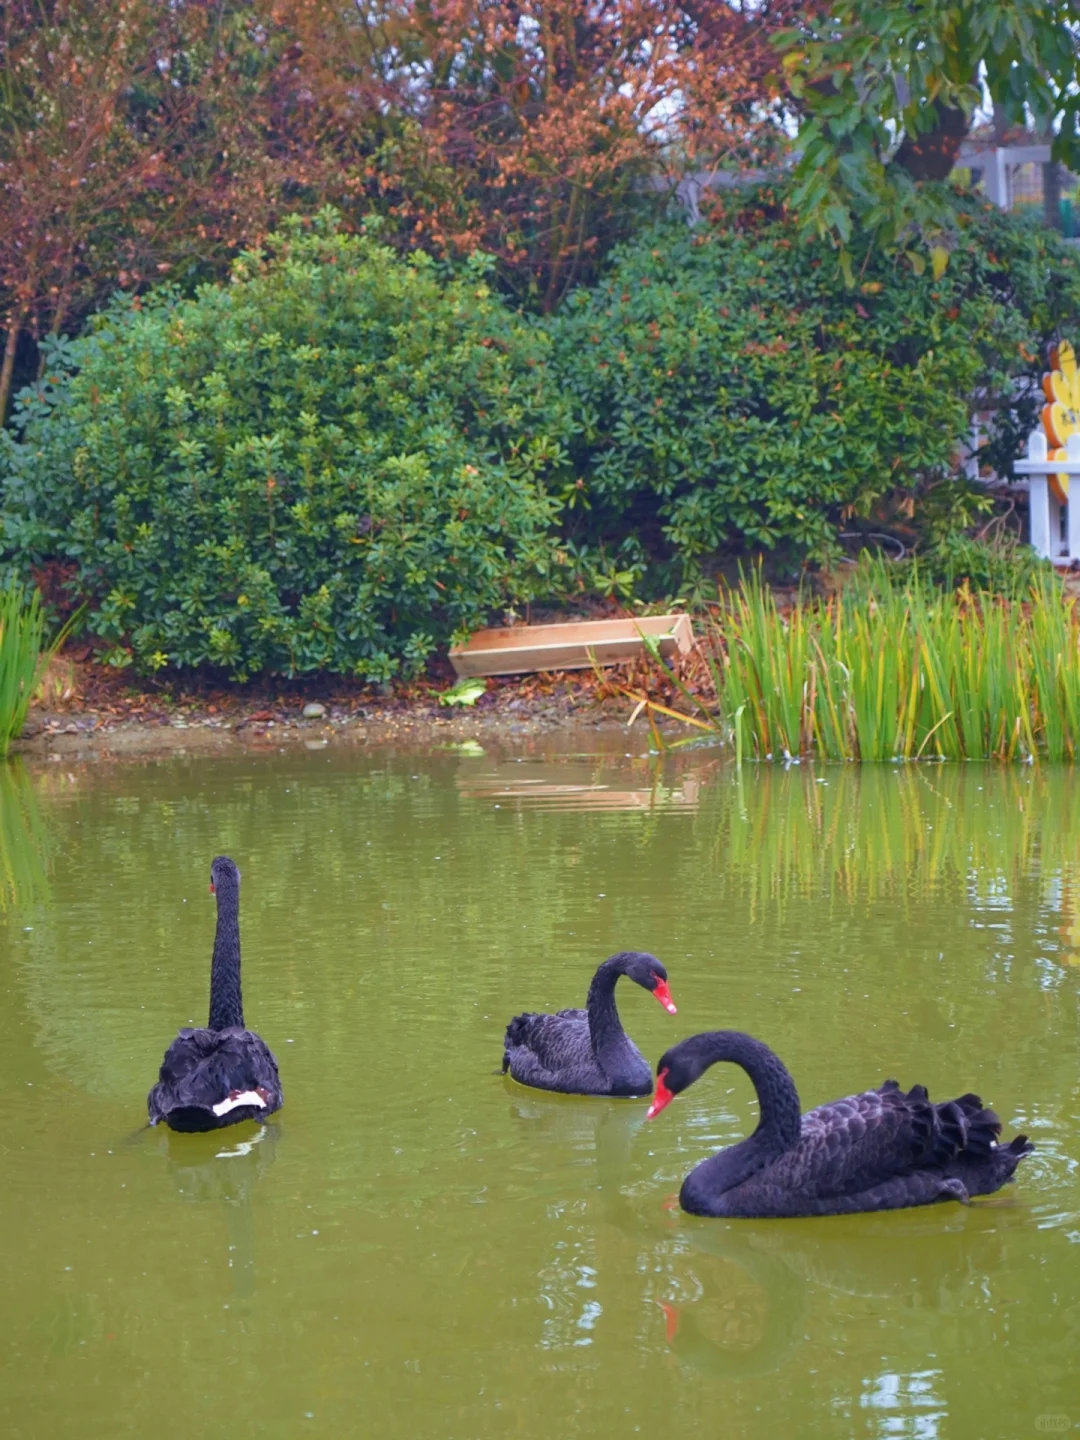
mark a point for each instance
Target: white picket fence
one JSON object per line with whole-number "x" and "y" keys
{"x": 1055, "y": 528}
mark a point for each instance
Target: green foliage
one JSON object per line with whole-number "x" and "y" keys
{"x": 887, "y": 93}
{"x": 1005, "y": 566}
{"x": 465, "y": 692}
{"x": 330, "y": 464}
{"x": 731, "y": 392}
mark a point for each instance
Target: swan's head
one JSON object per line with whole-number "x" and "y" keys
{"x": 676, "y": 1069}
{"x": 223, "y": 872}
{"x": 646, "y": 971}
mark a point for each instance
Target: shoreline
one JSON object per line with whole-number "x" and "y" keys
{"x": 105, "y": 718}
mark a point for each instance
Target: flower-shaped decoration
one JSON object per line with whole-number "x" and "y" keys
{"x": 1061, "y": 416}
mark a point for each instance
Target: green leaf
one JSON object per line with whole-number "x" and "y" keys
{"x": 465, "y": 692}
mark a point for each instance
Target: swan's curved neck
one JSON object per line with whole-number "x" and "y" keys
{"x": 226, "y": 1005}
{"x": 605, "y": 1027}
{"x": 780, "y": 1119}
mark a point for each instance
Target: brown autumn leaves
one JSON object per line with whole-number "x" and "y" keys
{"x": 142, "y": 139}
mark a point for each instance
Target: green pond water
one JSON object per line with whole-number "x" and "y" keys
{"x": 418, "y": 1247}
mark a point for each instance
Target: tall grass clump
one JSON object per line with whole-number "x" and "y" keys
{"x": 892, "y": 668}
{"x": 23, "y": 657}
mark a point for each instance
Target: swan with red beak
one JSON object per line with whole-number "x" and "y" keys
{"x": 883, "y": 1149}
{"x": 587, "y": 1052}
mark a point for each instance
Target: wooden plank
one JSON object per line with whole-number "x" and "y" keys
{"x": 576, "y": 645}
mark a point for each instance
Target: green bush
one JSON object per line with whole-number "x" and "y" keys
{"x": 330, "y": 464}
{"x": 731, "y": 393}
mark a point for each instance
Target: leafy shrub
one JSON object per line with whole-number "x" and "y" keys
{"x": 1002, "y": 566}
{"x": 329, "y": 464}
{"x": 730, "y": 391}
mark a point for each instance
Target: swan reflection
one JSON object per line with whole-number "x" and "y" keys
{"x": 206, "y": 1172}
{"x": 598, "y": 1134}
{"x": 741, "y": 1297}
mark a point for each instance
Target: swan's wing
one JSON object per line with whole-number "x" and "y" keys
{"x": 184, "y": 1056}
{"x": 555, "y": 1041}
{"x": 852, "y": 1144}
{"x": 204, "y": 1067}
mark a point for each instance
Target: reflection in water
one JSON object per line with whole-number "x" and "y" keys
{"x": 884, "y": 830}
{"x": 598, "y": 1132}
{"x": 1069, "y": 929}
{"x": 593, "y": 1140}
{"x": 749, "y": 1316}
{"x": 584, "y": 784}
{"x": 735, "y": 1295}
{"x": 749, "y": 1312}
{"x": 221, "y": 1169}
{"x": 23, "y": 840}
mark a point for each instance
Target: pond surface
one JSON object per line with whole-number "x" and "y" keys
{"x": 418, "y": 1247}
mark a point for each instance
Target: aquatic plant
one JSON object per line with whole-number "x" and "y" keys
{"x": 22, "y": 658}
{"x": 889, "y": 669}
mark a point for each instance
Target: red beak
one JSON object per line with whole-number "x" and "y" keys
{"x": 212, "y": 890}
{"x": 663, "y": 994}
{"x": 662, "y": 1097}
{"x": 671, "y": 1320}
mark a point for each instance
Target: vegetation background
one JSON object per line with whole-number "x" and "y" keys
{"x": 259, "y": 434}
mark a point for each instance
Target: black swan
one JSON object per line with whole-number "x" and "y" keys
{"x": 587, "y": 1052}
{"x": 223, "y": 1074}
{"x": 881, "y": 1150}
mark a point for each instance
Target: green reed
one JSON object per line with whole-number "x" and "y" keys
{"x": 24, "y": 656}
{"x": 894, "y": 668}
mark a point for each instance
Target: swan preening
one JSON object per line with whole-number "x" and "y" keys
{"x": 587, "y": 1052}
{"x": 225, "y": 1073}
{"x": 885, "y": 1149}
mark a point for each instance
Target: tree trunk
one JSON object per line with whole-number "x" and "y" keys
{"x": 7, "y": 368}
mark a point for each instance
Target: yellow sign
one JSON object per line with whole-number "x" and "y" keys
{"x": 1061, "y": 415}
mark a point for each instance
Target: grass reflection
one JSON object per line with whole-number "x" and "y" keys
{"x": 23, "y": 840}
{"x": 875, "y": 831}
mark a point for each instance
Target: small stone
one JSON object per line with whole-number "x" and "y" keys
{"x": 314, "y": 711}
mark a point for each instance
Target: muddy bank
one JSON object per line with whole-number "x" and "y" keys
{"x": 115, "y": 723}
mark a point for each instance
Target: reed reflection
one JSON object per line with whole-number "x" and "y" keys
{"x": 24, "y": 840}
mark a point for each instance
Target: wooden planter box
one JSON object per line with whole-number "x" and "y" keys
{"x": 577, "y": 645}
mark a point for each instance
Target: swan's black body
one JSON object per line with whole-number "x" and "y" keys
{"x": 587, "y": 1052}
{"x": 882, "y": 1150}
{"x": 225, "y": 1073}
